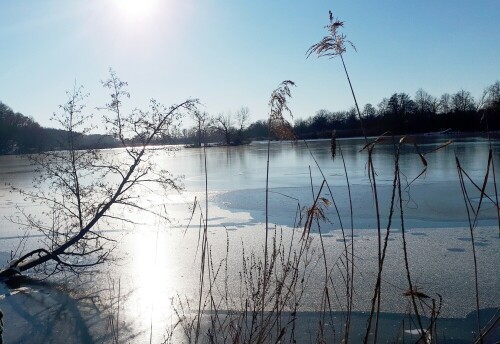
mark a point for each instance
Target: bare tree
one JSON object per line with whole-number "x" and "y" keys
{"x": 242, "y": 117}
{"x": 492, "y": 96}
{"x": 80, "y": 188}
{"x": 224, "y": 125}
{"x": 369, "y": 111}
{"x": 462, "y": 101}
{"x": 445, "y": 103}
{"x": 202, "y": 121}
{"x": 424, "y": 102}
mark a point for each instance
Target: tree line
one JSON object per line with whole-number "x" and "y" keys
{"x": 398, "y": 114}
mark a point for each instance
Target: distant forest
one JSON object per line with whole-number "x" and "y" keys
{"x": 20, "y": 134}
{"x": 398, "y": 114}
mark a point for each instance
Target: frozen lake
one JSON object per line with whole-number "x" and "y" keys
{"x": 160, "y": 262}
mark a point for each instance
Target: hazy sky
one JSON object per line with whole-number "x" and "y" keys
{"x": 233, "y": 53}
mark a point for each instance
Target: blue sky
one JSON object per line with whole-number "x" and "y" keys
{"x": 233, "y": 53}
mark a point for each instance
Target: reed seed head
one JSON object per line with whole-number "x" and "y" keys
{"x": 278, "y": 125}
{"x": 334, "y": 44}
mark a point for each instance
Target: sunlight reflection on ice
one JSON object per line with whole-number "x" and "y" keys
{"x": 152, "y": 281}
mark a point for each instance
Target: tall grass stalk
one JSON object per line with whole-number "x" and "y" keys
{"x": 381, "y": 255}
{"x": 204, "y": 247}
{"x": 412, "y": 290}
{"x": 373, "y": 182}
{"x": 351, "y": 215}
{"x": 474, "y": 217}
{"x": 279, "y": 126}
{"x": 486, "y": 117}
{"x": 349, "y": 280}
{"x": 332, "y": 45}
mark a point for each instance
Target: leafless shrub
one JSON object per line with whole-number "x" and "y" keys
{"x": 84, "y": 188}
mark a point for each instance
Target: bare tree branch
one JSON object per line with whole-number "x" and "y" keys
{"x": 80, "y": 187}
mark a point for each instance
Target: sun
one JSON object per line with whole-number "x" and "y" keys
{"x": 136, "y": 9}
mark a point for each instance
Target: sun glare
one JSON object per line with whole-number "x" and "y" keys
{"x": 136, "y": 9}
